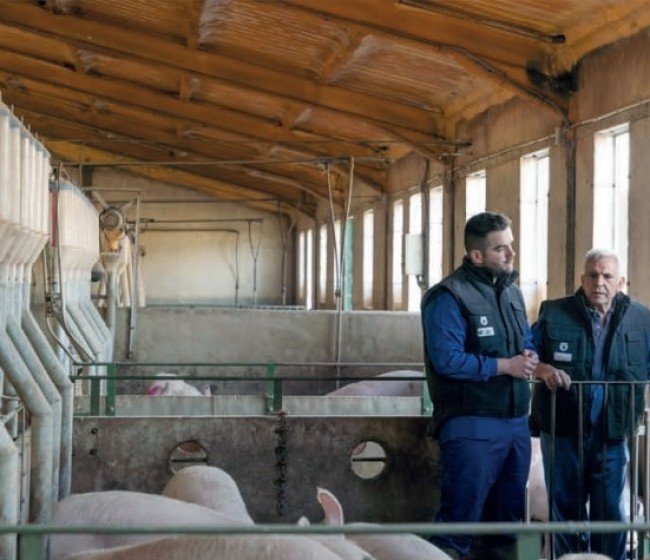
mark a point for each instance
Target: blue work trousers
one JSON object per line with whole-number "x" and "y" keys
{"x": 485, "y": 464}
{"x": 599, "y": 482}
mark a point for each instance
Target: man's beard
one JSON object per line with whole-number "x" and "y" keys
{"x": 500, "y": 273}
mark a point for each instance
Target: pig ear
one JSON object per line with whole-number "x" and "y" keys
{"x": 303, "y": 522}
{"x": 331, "y": 507}
{"x": 155, "y": 390}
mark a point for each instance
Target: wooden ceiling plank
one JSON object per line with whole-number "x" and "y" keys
{"x": 116, "y": 39}
{"x": 475, "y": 58}
{"x": 225, "y": 116}
{"x": 70, "y": 154}
{"x": 149, "y": 100}
{"x": 156, "y": 130}
{"x": 434, "y": 29}
{"x": 298, "y": 176}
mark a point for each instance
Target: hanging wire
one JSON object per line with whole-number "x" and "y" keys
{"x": 340, "y": 263}
{"x": 337, "y": 264}
{"x": 283, "y": 238}
{"x": 61, "y": 316}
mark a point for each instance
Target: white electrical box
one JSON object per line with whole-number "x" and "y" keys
{"x": 413, "y": 253}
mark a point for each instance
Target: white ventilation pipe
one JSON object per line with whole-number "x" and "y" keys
{"x": 32, "y": 345}
{"x": 72, "y": 224}
{"x": 89, "y": 255}
{"x": 23, "y": 254}
{"x": 9, "y": 459}
{"x": 20, "y": 191}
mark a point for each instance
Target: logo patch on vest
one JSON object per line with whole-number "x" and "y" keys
{"x": 563, "y": 355}
{"x": 484, "y": 330}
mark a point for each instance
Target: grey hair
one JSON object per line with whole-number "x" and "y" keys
{"x": 598, "y": 254}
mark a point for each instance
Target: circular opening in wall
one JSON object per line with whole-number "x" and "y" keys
{"x": 368, "y": 459}
{"x": 187, "y": 454}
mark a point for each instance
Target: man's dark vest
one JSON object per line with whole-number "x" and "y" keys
{"x": 568, "y": 345}
{"x": 495, "y": 315}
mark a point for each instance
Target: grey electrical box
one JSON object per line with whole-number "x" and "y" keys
{"x": 413, "y": 253}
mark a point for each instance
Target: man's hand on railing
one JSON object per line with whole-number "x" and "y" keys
{"x": 552, "y": 377}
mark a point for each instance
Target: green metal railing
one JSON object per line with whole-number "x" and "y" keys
{"x": 32, "y": 538}
{"x": 274, "y": 382}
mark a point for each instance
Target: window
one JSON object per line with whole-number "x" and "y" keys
{"x": 305, "y": 264}
{"x": 475, "y": 194}
{"x": 397, "y": 277}
{"x": 436, "y": 212}
{"x": 415, "y": 227}
{"x": 323, "y": 248}
{"x": 368, "y": 257}
{"x": 301, "y": 266}
{"x": 338, "y": 251}
{"x": 533, "y": 236}
{"x": 309, "y": 267}
{"x": 611, "y": 188}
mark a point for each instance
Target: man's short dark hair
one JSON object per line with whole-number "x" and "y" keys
{"x": 479, "y": 226}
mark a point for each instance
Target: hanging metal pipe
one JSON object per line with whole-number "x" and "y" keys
{"x": 111, "y": 262}
{"x": 135, "y": 294}
{"x": 9, "y": 481}
{"x": 47, "y": 388}
{"x": 65, "y": 387}
{"x": 21, "y": 254}
{"x": 42, "y": 443}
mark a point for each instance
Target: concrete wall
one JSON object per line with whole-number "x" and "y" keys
{"x": 207, "y": 254}
{"x": 276, "y": 461}
{"x": 206, "y": 335}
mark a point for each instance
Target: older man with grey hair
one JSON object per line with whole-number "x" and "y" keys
{"x": 598, "y": 338}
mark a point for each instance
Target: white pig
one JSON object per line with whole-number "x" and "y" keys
{"x": 227, "y": 547}
{"x": 173, "y": 387}
{"x": 584, "y": 556}
{"x": 390, "y": 388}
{"x": 537, "y": 498}
{"x": 211, "y": 487}
{"x": 397, "y": 546}
{"x": 536, "y": 490}
{"x": 123, "y": 508}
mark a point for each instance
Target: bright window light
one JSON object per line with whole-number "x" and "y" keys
{"x": 611, "y": 191}
{"x": 309, "y": 267}
{"x": 435, "y": 234}
{"x": 323, "y": 248}
{"x": 475, "y": 194}
{"x": 398, "y": 232}
{"x": 533, "y": 237}
{"x": 368, "y": 257}
{"x": 415, "y": 227}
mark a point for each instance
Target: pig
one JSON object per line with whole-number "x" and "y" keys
{"x": 230, "y": 547}
{"x": 211, "y": 487}
{"x": 390, "y": 388}
{"x": 214, "y": 488}
{"x": 120, "y": 508}
{"x": 174, "y": 387}
{"x": 584, "y": 556}
{"x": 537, "y": 497}
{"x": 398, "y": 546}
